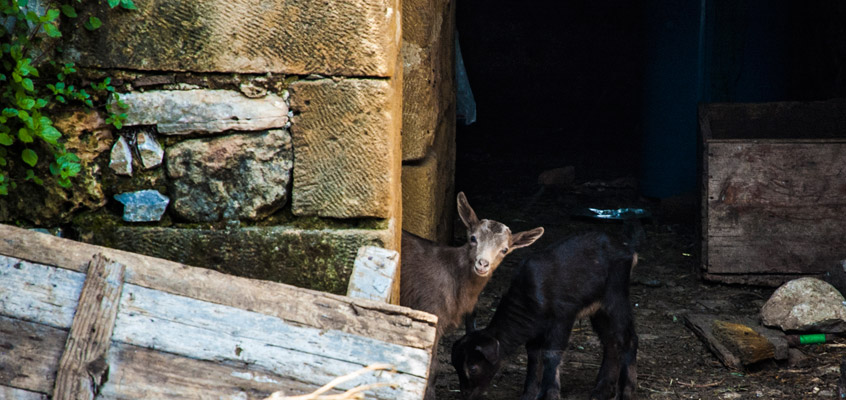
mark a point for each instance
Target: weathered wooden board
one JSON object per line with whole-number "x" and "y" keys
{"x": 297, "y": 306}
{"x": 167, "y": 343}
{"x": 702, "y": 326}
{"x": 10, "y": 393}
{"x": 29, "y": 354}
{"x": 83, "y": 367}
{"x": 374, "y": 272}
{"x": 774, "y": 206}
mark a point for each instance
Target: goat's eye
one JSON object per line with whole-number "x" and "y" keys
{"x": 473, "y": 239}
{"x": 474, "y": 370}
{"x": 505, "y": 250}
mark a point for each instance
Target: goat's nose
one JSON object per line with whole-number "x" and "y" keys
{"x": 483, "y": 263}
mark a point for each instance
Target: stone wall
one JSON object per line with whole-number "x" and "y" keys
{"x": 271, "y": 128}
{"x": 428, "y": 144}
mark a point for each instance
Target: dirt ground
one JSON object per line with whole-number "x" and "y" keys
{"x": 672, "y": 362}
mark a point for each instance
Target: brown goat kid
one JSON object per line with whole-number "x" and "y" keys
{"x": 446, "y": 281}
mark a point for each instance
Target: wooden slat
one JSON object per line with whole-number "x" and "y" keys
{"x": 10, "y": 393}
{"x": 774, "y": 206}
{"x": 38, "y": 293}
{"x": 205, "y": 331}
{"x": 83, "y": 366}
{"x": 29, "y": 354}
{"x": 138, "y": 373}
{"x": 397, "y": 325}
{"x": 374, "y": 273}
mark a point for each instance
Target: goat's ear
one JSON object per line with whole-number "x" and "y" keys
{"x": 526, "y": 238}
{"x": 468, "y": 216}
{"x": 491, "y": 353}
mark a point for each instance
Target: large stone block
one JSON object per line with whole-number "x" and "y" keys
{"x": 346, "y": 148}
{"x": 348, "y": 38}
{"x": 320, "y": 259}
{"x": 428, "y": 72}
{"x": 428, "y": 201}
{"x": 177, "y": 112}
{"x": 240, "y": 176}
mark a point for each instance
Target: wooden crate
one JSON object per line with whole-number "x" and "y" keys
{"x": 83, "y": 321}
{"x": 773, "y": 190}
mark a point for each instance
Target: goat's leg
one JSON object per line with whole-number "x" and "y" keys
{"x": 609, "y": 372}
{"x": 554, "y": 346}
{"x": 627, "y": 385}
{"x": 532, "y": 384}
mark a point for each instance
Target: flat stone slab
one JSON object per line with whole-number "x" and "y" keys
{"x": 345, "y": 38}
{"x": 320, "y": 259}
{"x": 346, "y": 147}
{"x": 179, "y": 112}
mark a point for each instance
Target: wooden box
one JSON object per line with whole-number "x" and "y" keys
{"x": 773, "y": 190}
{"x": 83, "y": 321}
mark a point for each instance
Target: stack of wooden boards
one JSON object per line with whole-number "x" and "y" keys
{"x": 83, "y": 321}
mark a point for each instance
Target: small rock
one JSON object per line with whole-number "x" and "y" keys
{"x": 252, "y": 91}
{"x": 806, "y": 305}
{"x": 797, "y": 359}
{"x": 121, "y": 157}
{"x": 143, "y": 205}
{"x": 149, "y": 149}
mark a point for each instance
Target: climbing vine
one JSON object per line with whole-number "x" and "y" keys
{"x": 33, "y": 87}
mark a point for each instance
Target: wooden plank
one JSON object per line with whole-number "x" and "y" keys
{"x": 138, "y": 373}
{"x": 10, "y": 393}
{"x": 38, "y": 293}
{"x": 702, "y": 326}
{"x": 397, "y": 325}
{"x": 29, "y": 354}
{"x": 373, "y": 275}
{"x": 774, "y": 206}
{"x": 83, "y": 366}
{"x": 204, "y": 331}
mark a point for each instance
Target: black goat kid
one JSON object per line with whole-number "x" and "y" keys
{"x": 587, "y": 275}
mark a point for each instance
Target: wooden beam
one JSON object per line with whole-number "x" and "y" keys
{"x": 399, "y": 325}
{"x": 83, "y": 367}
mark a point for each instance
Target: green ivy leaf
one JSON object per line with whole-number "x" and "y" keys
{"x": 4, "y": 190}
{"x": 25, "y": 135}
{"x": 28, "y": 156}
{"x": 6, "y": 140}
{"x": 27, "y": 84}
{"x": 93, "y": 23}
{"x": 128, "y": 5}
{"x": 22, "y": 3}
{"x": 10, "y": 112}
{"x": 51, "y": 30}
{"x": 69, "y": 11}
{"x": 51, "y": 135}
{"x": 2, "y": 163}
{"x": 113, "y": 3}
{"x": 41, "y": 103}
{"x": 51, "y": 15}
{"x": 27, "y": 103}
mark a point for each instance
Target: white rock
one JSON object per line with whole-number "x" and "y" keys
{"x": 806, "y": 305}
{"x": 178, "y": 112}
{"x": 149, "y": 150}
{"x": 120, "y": 159}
